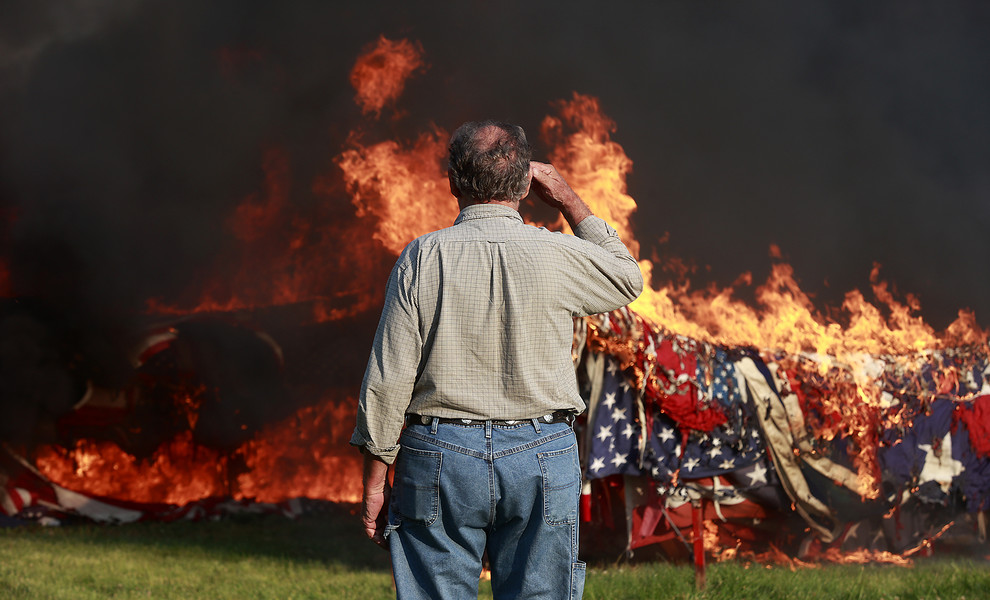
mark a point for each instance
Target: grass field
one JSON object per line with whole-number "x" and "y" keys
{"x": 324, "y": 556}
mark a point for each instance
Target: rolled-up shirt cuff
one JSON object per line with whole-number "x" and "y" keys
{"x": 594, "y": 229}
{"x": 386, "y": 454}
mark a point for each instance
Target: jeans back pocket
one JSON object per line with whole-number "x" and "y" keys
{"x": 561, "y": 485}
{"x": 416, "y": 487}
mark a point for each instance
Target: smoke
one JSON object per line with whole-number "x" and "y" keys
{"x": 844, "y": 134}
{"x": 29, "y": 27}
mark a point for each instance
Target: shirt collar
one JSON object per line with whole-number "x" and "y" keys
{"x": 487, "y": 211}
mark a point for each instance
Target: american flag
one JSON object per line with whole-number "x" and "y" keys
{"x": 620, "y": 417}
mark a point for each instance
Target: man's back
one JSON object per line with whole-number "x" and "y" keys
{"x": 495, "y": 300}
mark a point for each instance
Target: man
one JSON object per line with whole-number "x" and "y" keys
{"x": 473, "y": 356}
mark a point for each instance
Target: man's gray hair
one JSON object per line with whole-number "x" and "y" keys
{"x": 489, "y": 160}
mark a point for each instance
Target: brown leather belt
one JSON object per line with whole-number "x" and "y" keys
{"x": 557, "y": 416}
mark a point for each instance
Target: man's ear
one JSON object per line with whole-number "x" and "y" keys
{"x": 529, "y": 184}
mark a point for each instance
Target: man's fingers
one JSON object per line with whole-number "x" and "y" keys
{"x": 375, "y": 535}
{"x": 541, "y": 170}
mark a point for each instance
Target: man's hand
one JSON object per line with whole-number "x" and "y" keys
{"x": 374, "y": 504}
{"x": 549, "y": 185}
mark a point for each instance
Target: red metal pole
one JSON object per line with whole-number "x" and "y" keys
{"x": 697, "y": 513}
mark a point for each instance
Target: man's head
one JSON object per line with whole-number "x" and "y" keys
{"x": 488, "y": 162}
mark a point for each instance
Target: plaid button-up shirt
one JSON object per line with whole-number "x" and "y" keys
{"x": 478, "y": 321}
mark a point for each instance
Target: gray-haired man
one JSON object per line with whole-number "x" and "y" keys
{"x": 473, "y": 358}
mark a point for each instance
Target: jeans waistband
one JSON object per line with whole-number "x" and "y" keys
{"x": 557, "y": 416}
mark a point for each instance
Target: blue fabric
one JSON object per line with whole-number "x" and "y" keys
{"x": 759, "y": 483}
{"x": 616, "y": 429}
{"x": 460, "y": 490}
{"x": 901, "y": 454}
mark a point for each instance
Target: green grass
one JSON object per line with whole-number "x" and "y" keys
{"x": 325, "y": 556}
{"x": 928, "y": 580}
{"x": 318, "y": 556}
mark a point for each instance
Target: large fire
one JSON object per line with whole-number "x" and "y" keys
{"x": 398, "y": 191}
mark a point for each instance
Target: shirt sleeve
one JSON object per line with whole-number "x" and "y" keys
{"x": 391, "y": 373}
{"x": 609, "y": 275}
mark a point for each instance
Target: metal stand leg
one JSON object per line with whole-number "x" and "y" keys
{"x": 697, "y": 513}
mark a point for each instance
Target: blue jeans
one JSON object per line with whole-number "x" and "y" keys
{"x": 512, "y": 490}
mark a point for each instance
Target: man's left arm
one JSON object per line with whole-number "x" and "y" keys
{"x": 390, "y": 376}
{"x": 385, "y": 395}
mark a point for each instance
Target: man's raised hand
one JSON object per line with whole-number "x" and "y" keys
{"x": 550, "y": 187}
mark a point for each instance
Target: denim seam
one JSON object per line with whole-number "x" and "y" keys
{"x": 492, "y": 500}
{"x": 533, "y": 444}
{"x": 447, "y": 445}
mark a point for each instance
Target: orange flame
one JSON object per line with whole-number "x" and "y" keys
{"x": 404, "y": 188}
{"x": 597, "y": 168}
{"x": 775, "y": 556}
{"x": 594, "y": 165}
{"x": 379, "y": 75}
{"x": 179, "y": 471}
{"x": 306, "y": 455}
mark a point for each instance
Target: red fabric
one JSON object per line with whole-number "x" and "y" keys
{"x": 683, "y": 406}
{"x": 976, "y": 417}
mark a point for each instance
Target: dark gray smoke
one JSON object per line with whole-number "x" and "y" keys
{"x": 846, "y": 133}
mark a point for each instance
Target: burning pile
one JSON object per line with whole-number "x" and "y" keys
{"x": 880, "y": 455}
{"x": 866, "y": 430}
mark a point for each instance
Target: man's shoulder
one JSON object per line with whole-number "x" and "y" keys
{"x": 423, "y": 243}
{"x": 500, "y": 230}
{"x": 429, "y": 239}
{"x": 549, "y": 236}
